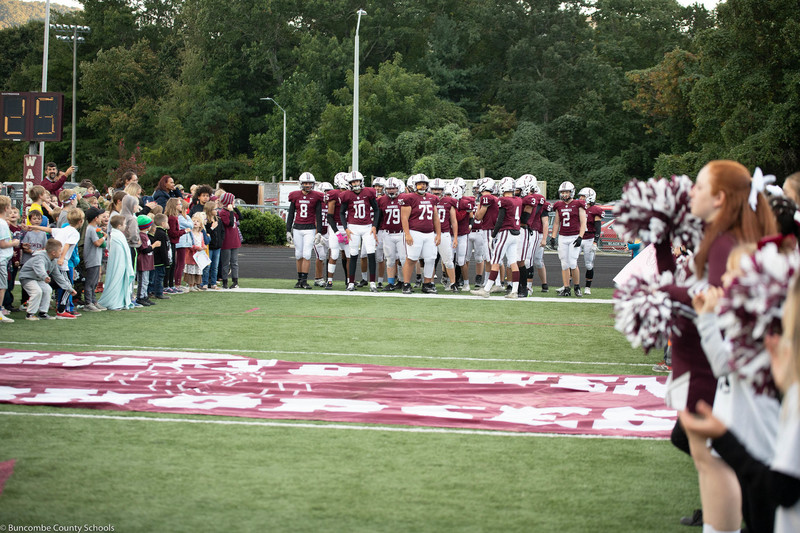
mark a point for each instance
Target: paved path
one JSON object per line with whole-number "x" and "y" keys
{"x": 278, "y": 262}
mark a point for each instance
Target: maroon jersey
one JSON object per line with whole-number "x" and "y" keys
{"x": 443, "y": 207}
{"x": 359, "y": 210}
{"x": 305, "y": 206}
{"x": 593, "y": 214}
{"x": 390, "y": 214}
{"x": 569, "y": 214}
{"x": 465, "y": 206}
{"x": 490, "y": 216}
{"x": 334, "y": 195}
{"x": 423, "y": 207}
{"x": 324, "y": 212}
{"x": 513, "y": 207}
{"x": 544, "y": 207}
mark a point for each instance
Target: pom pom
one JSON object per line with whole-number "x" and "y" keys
{"x": 752, "y": 308}
{"x": 643, "y": 313}
{"x": 657, "y": 210}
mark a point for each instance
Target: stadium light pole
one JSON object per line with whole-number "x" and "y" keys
{"x": 76, "y": 37}
{"x": 284, "y": 133}
{"x": 355, "y": 95}
{"x": 45, "y": 60}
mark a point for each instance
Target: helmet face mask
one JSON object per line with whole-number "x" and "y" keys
{"x": 307, "y": 181}
{"x": 421, "y": 183}
{"x": 356, "y": 185}
{"x": 588, "y": 195}
{"x": 566, "y": 191}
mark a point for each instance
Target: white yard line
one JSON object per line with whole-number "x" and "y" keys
{"x": 322, "y": 425}
{"x": 364, "y": 291}
{"x": 197, "y": 352}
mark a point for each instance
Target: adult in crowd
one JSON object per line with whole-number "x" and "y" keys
{"x": 229, "y": 256}
{"x": 165, "y": 190}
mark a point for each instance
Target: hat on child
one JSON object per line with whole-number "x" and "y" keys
{"x": 92, "y": 213}
{"x": 227, "y": 199}
{"x": 144, "y": 222}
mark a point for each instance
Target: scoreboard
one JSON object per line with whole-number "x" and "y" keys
{"x": 31, "y": 116}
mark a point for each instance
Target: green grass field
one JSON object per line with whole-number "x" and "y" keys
{"x": 158, "y": 472}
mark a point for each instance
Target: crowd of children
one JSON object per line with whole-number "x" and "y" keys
{"x": 113, "y": 252}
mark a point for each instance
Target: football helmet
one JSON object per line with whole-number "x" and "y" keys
{"x": 437, "y": 185}
{"x": 410, "y": 182}
{"x": 421, "y": 183}
{"x": 476, "y": 186}
{"x": 589, "y": 193}
{"x": 460, "y": 182}
{"x": 307, "y": 181}
{"x": 535, "y": 186}
{"x": 392, "y": 187}
{"x": 506, "y": 185}
{"x": 486, "y": 185}
{"x": 356, "y": 181}
{"x": 456, "y": 191}
{"x": 324, "y": 186}
{"x": 566, "y": 191}
{"x": 340, "y": 181}
{"x": 380, "y": 184}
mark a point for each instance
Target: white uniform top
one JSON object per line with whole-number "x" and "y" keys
{"x": 787, "y": 457}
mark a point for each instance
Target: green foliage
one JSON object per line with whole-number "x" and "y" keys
{"x": 599, "y": 92}
{"x": 19, "y": 13}
{"x": 262, "y": 227}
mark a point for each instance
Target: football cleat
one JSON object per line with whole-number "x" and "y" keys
{"x": 298, "y": 285}
{"x": 564, "y": 291}
{"x": 373, "y": 287}
{"x": 512, "y": 296}
{"x": 305, "y": 285}
{"x": 578, "y": 293}
{"x": 429, "y": 288}
{"x": 545, "y": 288}
{"x": 352, "y": 287}
{"x": 362, "y": 283}
{"x": 406, "y": 288}
{"x": 497, "y": 288}
{"x": 389, "y": 287}
{"x": 319, "y": 282}
{"x": 480, "y": 292}
{"x": 587, "y": 291}
{"x": 329, "y": 286}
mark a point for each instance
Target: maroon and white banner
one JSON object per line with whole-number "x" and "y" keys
{"x": 260, "y": 388}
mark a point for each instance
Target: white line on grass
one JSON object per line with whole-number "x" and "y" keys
{"x": 322, "y": 425}
{"x": 398, "y": 294}
{"x": 337, "y": 354}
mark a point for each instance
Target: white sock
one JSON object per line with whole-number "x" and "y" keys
{"x": 707, "y": 528}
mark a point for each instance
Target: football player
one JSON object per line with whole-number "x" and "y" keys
{"x": 422, "y": 231}
{"x": 302, "y": 223}
{"x": 505, "y": 234}
{"x": 591, "y": 239}
{"x": 359, "y": 214}
{"x": 391, "y": 231}
{"x": 525, "y": 245}
{"x": 379, "y": 184}
{"x": 464, "y": 209}
{"x": 337, "y": 238}
{"x": 477, "y": 248}
{"x": 570, "y": 226}
{"x": 539, "y": 224}
{"x": 322, "y": 248}
{"x": 448, "y": 221}
{"x": 486, "y": 216}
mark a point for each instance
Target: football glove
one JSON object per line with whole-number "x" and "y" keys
{"x": 552, "y": 242}
{"x": 578, "y": 242}
{"x": 289, "y": 239}
{"x": 317, "y": 239}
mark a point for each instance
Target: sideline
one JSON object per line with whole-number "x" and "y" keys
{"x": 364, "y": 292}
{"x": 332, "y": 354}
{"x": 322, "y": 425}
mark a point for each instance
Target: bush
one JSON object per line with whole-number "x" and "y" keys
{"x": 262, "y": 227}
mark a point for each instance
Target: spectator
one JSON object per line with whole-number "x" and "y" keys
{"x": 165, "y": 190}
{"x": 229, "y": 256}
{"x": 119, "y": 273}
{"x": 35, "y": 277}
{"x": 94, "y": 243}
{"x": 53, "y": 179}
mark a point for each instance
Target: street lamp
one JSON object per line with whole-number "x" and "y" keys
{"x": 45, "y": 60}
{"x": 355, "y": 95}
{"x": 76, "y": 37}
{"x": 284, "y": 133}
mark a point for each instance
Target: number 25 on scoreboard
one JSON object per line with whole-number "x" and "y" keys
{"x": 31, "y": 116}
